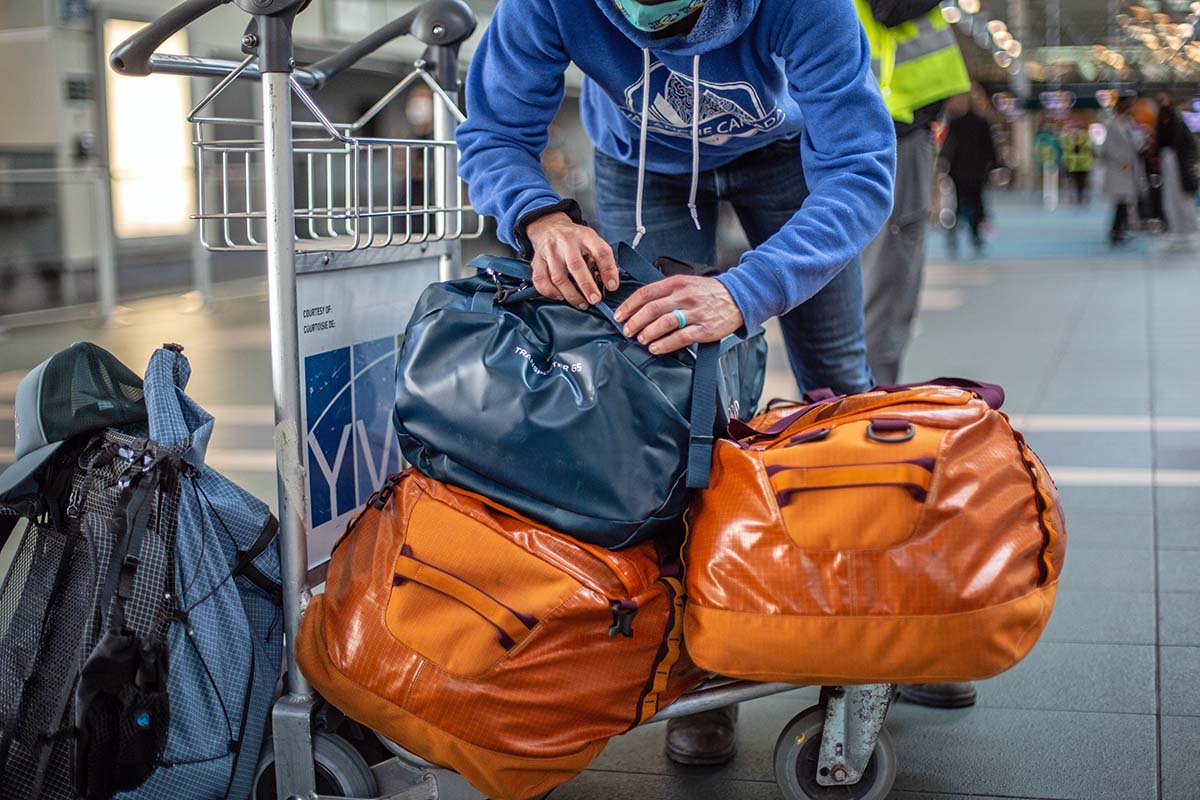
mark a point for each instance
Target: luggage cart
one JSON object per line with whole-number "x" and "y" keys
{"x": 371, "y": 222}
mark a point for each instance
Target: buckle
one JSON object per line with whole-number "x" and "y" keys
{"x": 623, "y": 612}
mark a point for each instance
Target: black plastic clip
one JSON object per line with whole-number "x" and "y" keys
{"x": 623, "y": 613}
{"x": 380, "y": 498}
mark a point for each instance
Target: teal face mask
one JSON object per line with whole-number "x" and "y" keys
{"x": 656, "y": 17}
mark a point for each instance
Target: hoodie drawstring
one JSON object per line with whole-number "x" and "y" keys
{"x": 641, "y": 177}
{"x": 641, "y": 180}
{"x": 695, "y": 139}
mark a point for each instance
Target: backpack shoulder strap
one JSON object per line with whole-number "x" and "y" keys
{"x": 8, "y": 523}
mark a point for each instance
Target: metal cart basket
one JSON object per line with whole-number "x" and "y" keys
{"x": 353, "y": 228}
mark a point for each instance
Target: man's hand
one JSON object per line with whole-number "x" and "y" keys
{"x": 706, "y": 304}
{"x": 564, "y": 255}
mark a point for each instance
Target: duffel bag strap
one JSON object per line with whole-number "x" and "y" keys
{"x": 703, "y": 416}
{"x": 705, "y": 381}
{"x": 990, "y": 393}
{"x": 669, "y": 654}
{"x": 741, "y": 430}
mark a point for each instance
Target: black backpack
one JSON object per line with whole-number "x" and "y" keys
{"x": 84, "y": 609}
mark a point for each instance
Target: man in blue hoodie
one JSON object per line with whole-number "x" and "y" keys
{"x": 791, "y": 131}
{"x": 770, "y": 106}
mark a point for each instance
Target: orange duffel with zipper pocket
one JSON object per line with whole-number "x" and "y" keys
{"x": 483, "y": 642}
{"x": 902, "y": 535}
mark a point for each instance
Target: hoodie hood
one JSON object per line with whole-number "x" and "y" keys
{"x": 721, "y": 22}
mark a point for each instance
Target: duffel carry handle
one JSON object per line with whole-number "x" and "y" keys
{"x": 628, "y": 261}
{"x": 990, "y": 393}
{"x": 741, "y": 430}
{"x": 511, "y": 626}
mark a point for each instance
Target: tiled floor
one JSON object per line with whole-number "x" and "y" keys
{"x": 1100, "y": 354}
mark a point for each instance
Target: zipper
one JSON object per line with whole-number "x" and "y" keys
{"x": 608, "y": 569}
{"x": 73, "y": 503}
{"x": 1040, "y": 505}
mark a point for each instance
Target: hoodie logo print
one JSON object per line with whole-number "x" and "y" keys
{"x": 727, "y": 110}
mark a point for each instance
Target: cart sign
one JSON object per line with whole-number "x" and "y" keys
{"x": 351, "y": 322}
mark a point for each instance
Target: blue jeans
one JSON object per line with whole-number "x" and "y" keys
{"x": 824, "y": 335}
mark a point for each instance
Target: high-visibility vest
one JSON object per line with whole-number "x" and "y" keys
{"x": 1077, "y": 151}
{"x": 916, "y": 63}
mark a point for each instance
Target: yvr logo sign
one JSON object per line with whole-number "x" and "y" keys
{"x": 349, "y": 395}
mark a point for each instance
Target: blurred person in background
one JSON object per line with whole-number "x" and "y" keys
{"x": 1077, "y": 159}
{"x": 770, "y": 106}
{"x": 1177, "y": 164}
{"x": 969, "y": 155}
{"x": 917, "y": 61}
{"x": 1122, "y": 166}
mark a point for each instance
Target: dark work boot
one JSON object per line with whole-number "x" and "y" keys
{"x": 703, "y": 740}
{"x": 939, "y": 695}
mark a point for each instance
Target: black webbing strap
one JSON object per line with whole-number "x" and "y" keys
{"x": 132, "y": 518}
{"x": 245, "y": 561}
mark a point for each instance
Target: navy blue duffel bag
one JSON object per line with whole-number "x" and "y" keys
{"x": 554, "y": 413}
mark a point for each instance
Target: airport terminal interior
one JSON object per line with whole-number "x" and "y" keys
{"x": 1094, "y": 334}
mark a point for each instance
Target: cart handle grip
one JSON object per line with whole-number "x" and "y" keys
{"x": 132, "y": 56}
{"x": 438, "y": 23}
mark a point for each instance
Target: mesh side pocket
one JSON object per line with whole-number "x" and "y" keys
{"x": 44, "y": 605}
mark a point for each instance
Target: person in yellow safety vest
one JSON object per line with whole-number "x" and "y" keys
{"x": 917, "y": 62}
{"x": 1077, "y": 159}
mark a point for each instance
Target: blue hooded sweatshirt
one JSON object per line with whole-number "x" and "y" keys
{"x": 764, "y": 70}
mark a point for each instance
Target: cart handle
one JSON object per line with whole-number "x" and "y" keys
{"x": 442, "y": 24}
{"x": 437, "y": 23}
{"x": 133, "y": 56}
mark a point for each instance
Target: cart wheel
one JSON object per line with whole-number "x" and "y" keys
{"x": 341, "y": 770}
{"x": 799, "y": 749}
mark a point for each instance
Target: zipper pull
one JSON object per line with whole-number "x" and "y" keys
{"x": 73, "y": 503}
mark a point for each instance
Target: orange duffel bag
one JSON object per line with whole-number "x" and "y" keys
{"x": 906, "y": 535}
{"x": 485, "y": 643}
